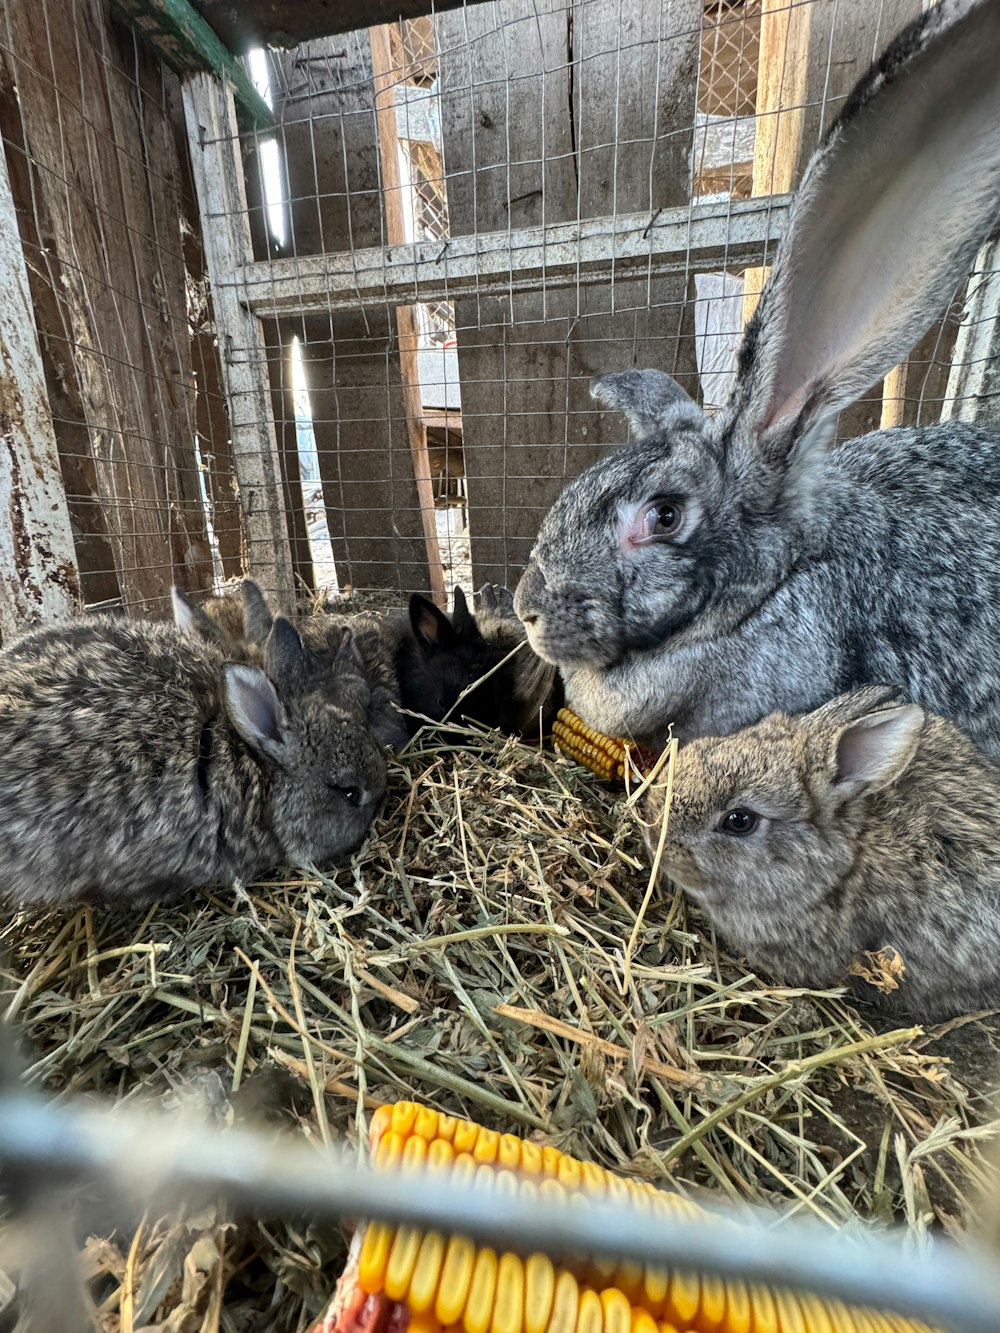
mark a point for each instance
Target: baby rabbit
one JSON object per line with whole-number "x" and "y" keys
{"x": 810, "y": 841}
{"x": 420, "y": 660}
{"x": 533, "y": 685}
{"x": 717, "y": 569}
{"x": 138, "y": 763}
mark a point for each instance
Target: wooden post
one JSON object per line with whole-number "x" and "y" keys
{"x": 974, "y": 383}
{"x": 218, "y": 177}
{"x": 782, "y": 85}
{"x": 39, "y": 578}
{"x": 406, "y": 324}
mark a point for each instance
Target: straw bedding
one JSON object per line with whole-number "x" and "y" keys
{"x": 475, "y": 955}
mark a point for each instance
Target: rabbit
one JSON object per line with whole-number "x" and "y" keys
{"x": 532, "y": 683}
{"x": 139, "y": 763}
{"x": 715, "y": 570}
{"x": 811, "y": 841}
{"x": 239, "y": 627}
{"x": 420, "y": 660}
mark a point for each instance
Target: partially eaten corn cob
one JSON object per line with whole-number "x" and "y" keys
{"x": 400, "y": 1280}
{"x": 606, "y": 756}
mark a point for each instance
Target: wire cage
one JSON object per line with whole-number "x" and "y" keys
{"x": 350, "y": 351}
{"x": 334, "y": 327}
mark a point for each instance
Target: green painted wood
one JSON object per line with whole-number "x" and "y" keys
{"x": 186, "y": 43}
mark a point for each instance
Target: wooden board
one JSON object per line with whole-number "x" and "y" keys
{"x": 218, "y": 177}
{"x": 553, "y": 113}
{"x": 324, "y": 102}
{"x": 811, "y": 56}
{"x": 39, "y": 579}
{"x": 243, "y": 24}
{"x": 97, "y": 193}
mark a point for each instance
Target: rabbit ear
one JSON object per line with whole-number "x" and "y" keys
{"x": 874, "y": 751}
{"x": 254, "y": 708}
{"x": 285, "y": 657}
{"x": 856, "y": 704}
{"x": 648, "y": 398}
{"x": 462, "y": 619}
{"x": 349, "y": 654}
{"x": 431, "y": 626}
{"x": 257, "y": 615}
{"x": 885, "y": 224}
{"x": 193, "y": 621}
{"x": 185, "y": 612}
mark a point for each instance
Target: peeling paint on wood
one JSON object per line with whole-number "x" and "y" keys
{"x": 39, "y": 579}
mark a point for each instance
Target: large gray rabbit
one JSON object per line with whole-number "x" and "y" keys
{"x": 139, "y": 764}
{"x": 715, "y": 570}
{"x": 865, "y": 825}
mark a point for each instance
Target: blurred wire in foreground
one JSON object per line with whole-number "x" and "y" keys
{"x": 153, "y": 1160}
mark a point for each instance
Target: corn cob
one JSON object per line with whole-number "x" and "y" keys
{"x": 604, "y": 755}
{"x": 400, "y": 1280}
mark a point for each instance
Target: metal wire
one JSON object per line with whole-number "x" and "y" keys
{"x": 149, "y": 1157}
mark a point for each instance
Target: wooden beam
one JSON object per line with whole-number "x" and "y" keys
{"x": 39, "y": 578}
{"x": 184, "y": 41}
{"x": 406, "y": 324}
{"x": 974, "y": 382}
{"x": 218, "y": 176}
{"x": 674, "y": 241}
{"x": 243, "y": 24}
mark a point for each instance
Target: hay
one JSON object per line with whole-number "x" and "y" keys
{"x": 475, "y": 955}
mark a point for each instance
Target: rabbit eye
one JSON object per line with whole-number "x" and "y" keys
{"x": 352, "y": 795}
{"x": 738, "y": 823}
{"x": 661, "y": 520}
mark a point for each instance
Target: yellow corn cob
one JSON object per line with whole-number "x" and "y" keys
{"x": 400, "y": 1280}
{"x": 604, "y": 755}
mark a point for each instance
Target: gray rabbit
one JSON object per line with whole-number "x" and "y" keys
{"x": 715, "y": 570}
{"x": 239, "y": 624}
{"x": 811, "y": 842}
{"x": 138, "y": 763}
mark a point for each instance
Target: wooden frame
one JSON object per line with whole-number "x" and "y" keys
{"x": 218, "y": 176}
{"x": 676, "y": 241}
{"x": 39, "y": 578}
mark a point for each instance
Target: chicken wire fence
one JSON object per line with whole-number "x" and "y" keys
{"x": 352, "y": 352}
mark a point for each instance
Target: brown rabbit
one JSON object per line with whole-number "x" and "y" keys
{"x": 813, "y": 841}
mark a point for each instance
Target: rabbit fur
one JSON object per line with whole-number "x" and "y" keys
{"x": 532, "y": 684}
{"x": 419, "y": 660}
{"x": 715, "y": 570}
{"x": 876, "y": 825}
{"x": 138, "y": 763}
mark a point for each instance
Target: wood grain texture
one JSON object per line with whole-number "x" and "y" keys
{"x": 325, "y": 106}
{"x": 553, "y": 113}
{"x": 94, "y": 169}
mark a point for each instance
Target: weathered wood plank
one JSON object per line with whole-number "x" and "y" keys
{"x": 97, "y": 190}
{"x": 974, "y": 384}
{"x": 649, "y": 245}
{"x": 324, "y": 102}
{"x": 594, "y": 125}
{"x": 406, "y": 324}
{"x": 39, "y": 579}
{"x": 243, "y": 24}
{"x": 218, "y": 176}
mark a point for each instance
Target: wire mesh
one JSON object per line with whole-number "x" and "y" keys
{"x": 510, "y": 118}
{"x": 110, "y": 237}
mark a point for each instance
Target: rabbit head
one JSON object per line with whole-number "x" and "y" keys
{"x": 651, "y": 558}
{"x": 763, "y": 824}
{"x": 446, "y": 656}
{"x": 327, "y": 770}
